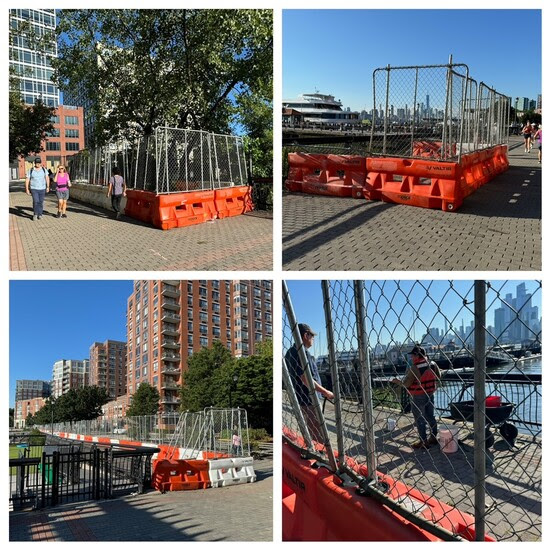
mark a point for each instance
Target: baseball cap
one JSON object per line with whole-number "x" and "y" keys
{"x": 305, "y": 328}
{"x": 418, "y": 350}
{"x": 37, "y": 159}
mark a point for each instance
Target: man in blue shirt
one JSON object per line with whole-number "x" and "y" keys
{"x": 300, "y": 383}
{"x": 37, "y": 184}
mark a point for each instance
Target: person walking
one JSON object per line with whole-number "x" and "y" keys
{"x": 236, "y": 441}
{"x": 63, "y": 182}
{"x": 117, "y": 190}
{"x": 304, "y": 394}
{"x": 538, "y": 136}
{"x": 37, "y": 184}
{"x": 526, "y": 133}
{"x": 421, "y": 381}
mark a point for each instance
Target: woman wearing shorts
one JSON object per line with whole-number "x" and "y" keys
{"x": 63, "y": 183}
{"x": 538, "y": 136}
{"x": 526, "y": 132}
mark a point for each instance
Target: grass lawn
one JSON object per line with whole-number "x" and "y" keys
{"x": 15, "y": 452}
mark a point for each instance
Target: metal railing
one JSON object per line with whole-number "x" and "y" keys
{"x": 173, "y": 160}
{"x": 477, "y": 456}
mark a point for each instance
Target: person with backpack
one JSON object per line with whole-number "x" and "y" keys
{"x": 117, "y": 190}
{"x": 63, "y": 182}
{"x": 37, "y": 184}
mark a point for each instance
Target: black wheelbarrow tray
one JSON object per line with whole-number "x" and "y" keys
{"x": 464, "y": 410}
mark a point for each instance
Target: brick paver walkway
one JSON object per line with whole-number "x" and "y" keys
{"x": 238, "y": 513}
{"x": 497, "y": 228}
{"x": 90, "y": 239}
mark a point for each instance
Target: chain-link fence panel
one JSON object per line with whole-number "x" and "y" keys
{"x": 228, "y": 161}
{"x": 418, "y": 110}
{"x": 459, "y": 420}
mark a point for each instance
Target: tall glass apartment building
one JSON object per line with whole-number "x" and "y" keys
{"x": 33, "y": 67}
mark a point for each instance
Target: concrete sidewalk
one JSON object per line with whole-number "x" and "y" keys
{"x": 238, "y": 513}
{"x": 90, "y": 239}
{"x": 497, "y": 228}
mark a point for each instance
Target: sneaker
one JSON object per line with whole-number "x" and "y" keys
{"x": 63, "y": 215}
{"x": 39, "y": 217}
{"x": 420, "y": 444}
{"x": 118, "y": 215}
{"x": 34, "y": 218}
{"x": 432, "y": 440}
{"x": 58, "y": 215}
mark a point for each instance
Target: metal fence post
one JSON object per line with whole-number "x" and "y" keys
{"x": 479, "y": 409}
{"x": 334, "y": 372}
{"x": 366, "y": 382}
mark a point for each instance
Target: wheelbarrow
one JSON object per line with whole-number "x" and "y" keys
{"x": 495, "y": 417}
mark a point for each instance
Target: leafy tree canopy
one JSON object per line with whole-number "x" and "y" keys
{"x": 144, "y": 401}
{"x": 199, "y": 69}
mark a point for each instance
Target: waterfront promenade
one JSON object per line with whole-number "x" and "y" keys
{"x": 236, "y": 513}
{"x": 91, "y": 239}
{"x": 497, "y": 228}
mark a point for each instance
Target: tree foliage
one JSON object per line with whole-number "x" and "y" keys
{"x": 144, "y": 401}
{"x": 531, "y": 116}
{"x": 200, "y": 69}
{"x": 77, "y": 404}
{"x": 210, "y": 382}
{"x": 28, "y": 124}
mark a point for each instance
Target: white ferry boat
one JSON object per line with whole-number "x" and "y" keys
{"x": 321, "y": 109}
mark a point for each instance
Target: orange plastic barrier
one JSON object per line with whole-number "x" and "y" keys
{"x": 429, "y": 184}
{"x": 431, "y": 149}
{"x": 333, "y": 175}
{"x": 183, "y": 209}
{"x": 233, "y": 201}
{"x": 318, "y": 507}
{"x": 180, "y": 475}
{"x": 141, "y": 205}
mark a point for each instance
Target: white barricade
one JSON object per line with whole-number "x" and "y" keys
{"x": 231, "y": 471}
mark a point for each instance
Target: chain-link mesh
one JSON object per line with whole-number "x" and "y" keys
{"x": 494, "y": 386}
{"x": 219, "y": 431}
{"x": 435, "y": 111}
{"x": 173, "y": 160}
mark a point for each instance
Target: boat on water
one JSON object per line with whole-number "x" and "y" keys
{"x": 319, "y": 108}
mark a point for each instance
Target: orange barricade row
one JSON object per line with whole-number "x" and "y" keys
{"x": 431, "y": 149}
{"x": 333, "y": 175}
{"x": 188, "y": 208}
{"x": 318, "y": 507}
{"x": 180, "y": 475}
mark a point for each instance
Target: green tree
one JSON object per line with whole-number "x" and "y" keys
{"x": 12, "y": 413}
{"x": 183, "y": 68}
{"x": 201, "y": 381}
{"x": 144, "y": 401}
{"x": 531, "y": 116}
{"x": 28, "y": 124}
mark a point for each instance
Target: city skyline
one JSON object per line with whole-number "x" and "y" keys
{"x": 411, "y": 313}
{"x": 319, "y": 60}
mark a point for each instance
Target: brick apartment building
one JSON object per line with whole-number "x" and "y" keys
{"x": 25, "y": 407}
{"x": 108, "y": 367}
{"x": 30, "y": 395}
{"x": 168, "y": 321}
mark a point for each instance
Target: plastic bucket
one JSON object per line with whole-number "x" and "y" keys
{"x": 391, "y": 424}
{"x": 493, "y": 401}
{"x": 448, "y": 438}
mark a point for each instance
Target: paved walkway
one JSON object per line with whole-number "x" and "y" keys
{"x": 239, "y": 513}
{"x": 497, "y": 228}
{"x": 90, "y": 239}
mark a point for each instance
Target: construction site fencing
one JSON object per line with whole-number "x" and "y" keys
{"x": 486, "y": 465}
{"x": 172, "y": 160}
{"x": 210, "y": 430}
{"x": 435, "y": 111}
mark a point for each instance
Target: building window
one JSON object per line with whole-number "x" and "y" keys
{"x": 70, "y": 146}
{"x": 190, "y": 339}
{"x": 189, "y": 351}
{"x": 190, "y": 326}
{"x": 204, "y": 342}
{"x": 53, "y": 146}
{"x": 203, "y": 329}
{"x": 71, "y": 133}
{"x": 71, "y": 120}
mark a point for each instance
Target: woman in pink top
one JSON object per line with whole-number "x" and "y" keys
{"x": 63, "y": 182}
{"x": 538, "y": 136}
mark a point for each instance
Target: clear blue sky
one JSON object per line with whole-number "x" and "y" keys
{"x": 423, "y": 296}
{"x": 52, "y": 320}
{"x": 336, "y": 51}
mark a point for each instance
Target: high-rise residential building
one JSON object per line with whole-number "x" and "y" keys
{"x": 32, "y": 67}
{"x": 168, "y": 321}
{"x": 539, "y": 102}
{"x": 69, "y": 374}
{"x": 108, "y": 367}
{"x": 29, "y": 389}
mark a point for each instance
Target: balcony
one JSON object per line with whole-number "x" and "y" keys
{"x": 169, "y": 384}
{"x": 171, "y": 371}
{"x": 167, "y": 356}
{"x": 171, "y": 344}
{"x": 169, "y": 317}
{"x": 170, "y": 291}
{"x": 170, "y": 303}
{"x": 170, "y": 400}
{"x": 169, "y": 330}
